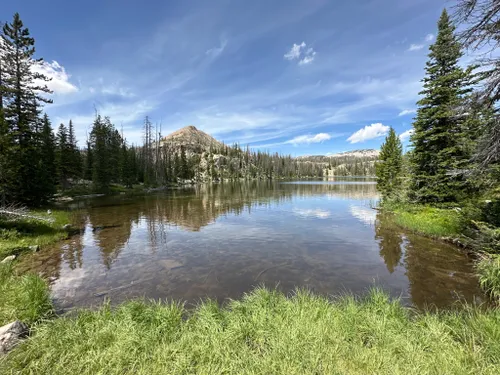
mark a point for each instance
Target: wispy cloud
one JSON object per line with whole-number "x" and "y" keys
{"x": 369, "y": 132}
{"x": 406, "y": 112}
{"x": 406, "y": 135}
{"x": 216, "y": 51}
{"x": 300, "y": 53}
{"x": 429, "y": 38}
{"x": 308, "y": 139}
{"x": 415, "y": 47}
{"x": 294, "y": 52}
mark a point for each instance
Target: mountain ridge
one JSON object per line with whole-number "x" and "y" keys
{"x": 197, "y": 140}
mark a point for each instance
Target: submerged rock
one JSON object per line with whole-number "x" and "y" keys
{"x": 8, "y": 259}
{"x": 11, "y": 334}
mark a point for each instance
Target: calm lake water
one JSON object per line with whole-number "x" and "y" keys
{"x": 221, "y": 240}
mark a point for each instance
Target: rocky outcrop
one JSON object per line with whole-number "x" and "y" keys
{"x": 11, "y": 335}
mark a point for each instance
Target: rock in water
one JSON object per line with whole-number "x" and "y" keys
{"x": 8, "y": 259}
{"x": 11, "y": 334}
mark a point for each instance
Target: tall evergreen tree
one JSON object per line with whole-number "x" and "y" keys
{"x": 22, "y": 96}
{"x": 47, "y": 160}
{"x": 75, "y": 158}
{"x": 440, "y": 153}
{"x": 5, "y": 148}
{"x": 389, "y": 168}
{"x": 100, "y": 137}
{"x": 63, "y": 156}
{"x": 87, "y": 166}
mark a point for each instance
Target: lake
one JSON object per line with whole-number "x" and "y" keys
{"x": 222, "y": 240}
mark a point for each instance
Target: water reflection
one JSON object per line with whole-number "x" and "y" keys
{"x": 222, "y": 240}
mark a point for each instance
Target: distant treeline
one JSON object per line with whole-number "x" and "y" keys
{"x": 35, "y": 162}
{"x": 348, "y": 165}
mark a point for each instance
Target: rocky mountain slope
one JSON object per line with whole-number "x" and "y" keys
{"x": 192, "y": 139}
{"x": 208, "y": 158}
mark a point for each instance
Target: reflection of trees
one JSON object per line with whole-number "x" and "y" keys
{"x": 194, "y": 208}
{"x": 390, "y": 243}
{"x": 112, "y": 227}
{"x": 111, "y": 219}
{"x": 72, "y": 253}
{"x": 437, "y": 273}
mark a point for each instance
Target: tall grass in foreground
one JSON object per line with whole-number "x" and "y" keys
{"x": 488, "y": 270}
{"x": 265, "y": 333}
{"x": 26, "y": 297}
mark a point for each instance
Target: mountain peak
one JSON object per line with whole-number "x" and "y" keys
{"x": 192, "y": 138}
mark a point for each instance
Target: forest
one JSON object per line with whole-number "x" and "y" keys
{"x": 452, "y": 170}
{"x": 35, "y": 163}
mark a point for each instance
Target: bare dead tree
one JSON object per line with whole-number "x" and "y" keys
{"x": 481, "y": 19}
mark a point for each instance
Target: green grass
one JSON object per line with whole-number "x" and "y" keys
{"x": 24, "y": 297}
{"x": 17, "y": 235}
{"x": 488, "y": 270}
{"x": 428, "y": 221}
{"x": 264, "y": 333}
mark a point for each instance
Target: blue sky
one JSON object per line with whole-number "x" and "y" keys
{"x": 298, "y": 77}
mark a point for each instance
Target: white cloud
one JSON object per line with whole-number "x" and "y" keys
{"x": 429, "y": 38}
{"x": 59, "y": 83}
{"x": 366, "y": 215}
{"x": 407, "y": 112}
{"x": 369, "y": 132}
{"x": 406, "y": 135}
{"x": 295, "y": 51}
{"x": 299, "y": 52}
{"x": 416, "y": 47}
{"x": 316, "y": 213}
{"x": 308, "y": 139}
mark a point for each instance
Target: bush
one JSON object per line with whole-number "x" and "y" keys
{"x": 488, "y": 270}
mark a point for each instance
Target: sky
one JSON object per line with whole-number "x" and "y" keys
{"x": 298, "y": 77}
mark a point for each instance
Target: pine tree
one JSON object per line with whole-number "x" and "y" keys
{"x": 48, "y": 179}
{"x": 100, "y": 155}
{"x": 439, "y": 156}
{"x": 63, "y": 156}
{"x": 75, "y": 158}
{"x": 183, "y": 168}
{"x": 22, "y": 97}
{"x": 87, "y": 167}
{"x": 389, "y": 167}
{"x": 5, "y": 149}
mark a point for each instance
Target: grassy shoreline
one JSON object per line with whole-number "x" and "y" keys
{"x": 17, "y": 235}
{"x": 264, "y": 332}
